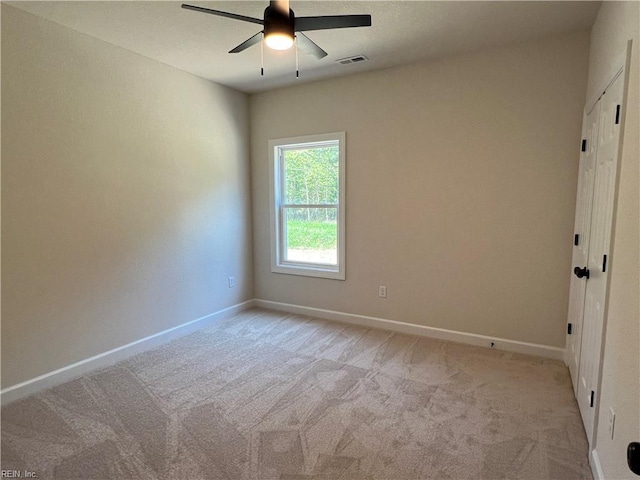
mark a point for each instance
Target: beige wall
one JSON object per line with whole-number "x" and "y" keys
{"x": 461, "y": 178}
{"x": 125, "y": 197}
{"x": 617, "y": 22}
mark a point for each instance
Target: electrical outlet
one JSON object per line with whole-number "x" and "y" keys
{"x": 382, "y": 291}
{"x": 612, "y": 422}
{"x": 232, "y": 282}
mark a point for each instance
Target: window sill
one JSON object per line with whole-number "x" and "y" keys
{"x": 309, "y": 271}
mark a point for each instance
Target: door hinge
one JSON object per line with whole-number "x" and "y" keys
{"x": 576, "y": 239}
{"x": 617, "y": 114}
{"x": 569, "y": 328}
{"x": 583, "y": 148}
{"x": 591, "y": 398}
{"x": 604, "y": 263}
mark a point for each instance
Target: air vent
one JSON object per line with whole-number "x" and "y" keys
{"x": 354, "y": 59}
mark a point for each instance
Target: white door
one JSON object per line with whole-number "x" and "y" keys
{"x": 599, "y": 252}
{"x": 584, "y": 204}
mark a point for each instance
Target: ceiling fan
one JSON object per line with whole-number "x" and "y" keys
{"x": 282, "y": 28}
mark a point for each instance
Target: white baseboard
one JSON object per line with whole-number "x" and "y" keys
{"x": 596, "y": 467}
{"x": 61, "y": 375}
{"x": 432, "y": 332}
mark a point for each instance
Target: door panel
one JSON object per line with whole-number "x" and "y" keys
{"x": 599, "y": 246}
{"x": 582, "y": 227}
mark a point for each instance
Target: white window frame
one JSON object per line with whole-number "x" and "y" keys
{"x": 278, "y": 264}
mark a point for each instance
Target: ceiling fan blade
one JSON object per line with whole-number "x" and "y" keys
{"x": 309, "y": 46}
{"x": 326, "y": 22}
{"x": 247, "y": 43}
{"x": 235, "y": 16}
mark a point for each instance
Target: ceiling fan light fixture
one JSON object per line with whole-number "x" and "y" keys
{"x": 279, "y": 22}
{"x": 278, "y": 41}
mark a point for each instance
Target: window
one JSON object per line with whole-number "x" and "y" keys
{"x": 307, "y": 205}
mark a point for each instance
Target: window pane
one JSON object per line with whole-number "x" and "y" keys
{"x": 311, "y": 175}
{"x": 311, "y": 235}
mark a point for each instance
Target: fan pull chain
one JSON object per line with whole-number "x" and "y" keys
{"x": 262, "y": 55}
{"x": 297, "y": 65}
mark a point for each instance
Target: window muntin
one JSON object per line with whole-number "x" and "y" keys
{"x": 307, "y": 214}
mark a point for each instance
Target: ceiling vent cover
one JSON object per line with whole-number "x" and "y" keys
{"x": 354, "y": 59}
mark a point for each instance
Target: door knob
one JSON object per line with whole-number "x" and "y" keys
{"x": 633, "y": 457}
{"x": 581, "y": 272}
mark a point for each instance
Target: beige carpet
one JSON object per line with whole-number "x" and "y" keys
{"x": 272, "y": 396}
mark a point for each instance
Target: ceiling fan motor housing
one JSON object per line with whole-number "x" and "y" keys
{"x": 277, "y": 22}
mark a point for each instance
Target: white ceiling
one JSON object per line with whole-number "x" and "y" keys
{"x": 402, "y": 32}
